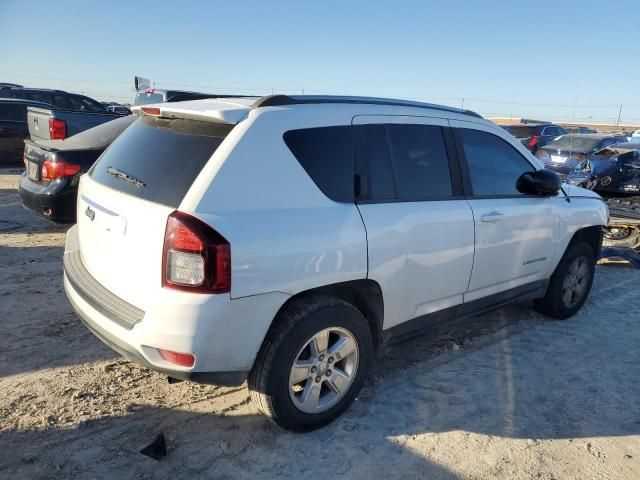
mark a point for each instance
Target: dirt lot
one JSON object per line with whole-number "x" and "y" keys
{"x": 508, "y": 395}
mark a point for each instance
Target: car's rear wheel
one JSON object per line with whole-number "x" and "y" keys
{"x": 312, "y": 364}
{"x": 570, "y": 284}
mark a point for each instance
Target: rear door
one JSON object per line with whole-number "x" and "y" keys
{"x": 13, "y": 131}
{"x": 419, "y": 227}
{"x": 516, "y": 234}
{"x": 124, "y": 201}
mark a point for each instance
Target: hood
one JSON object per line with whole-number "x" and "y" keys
{"x": 573, "y": 191}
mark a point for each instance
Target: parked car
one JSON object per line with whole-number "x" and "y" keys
{"x": 58, "y": 98}
{"x": 224, "y": 240}
{"x": 119, "y": 109}
{"x": 579, "y": 129}
{"x": 152, "y": 96}
{"x": 535, "y": 135}
{"x": 13, "y": 128}
{"x": 613, "y": 170}
{"x": 49, "y": 184}
{"x": 563, "y": 154}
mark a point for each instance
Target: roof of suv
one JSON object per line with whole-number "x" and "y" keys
{"x": 232, "y": 110}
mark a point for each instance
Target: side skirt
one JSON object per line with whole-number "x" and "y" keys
{"x": 420, "y": 324}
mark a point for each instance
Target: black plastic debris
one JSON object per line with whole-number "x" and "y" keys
{"x": 628, "y": 254}
{"x": 156, "y": 449}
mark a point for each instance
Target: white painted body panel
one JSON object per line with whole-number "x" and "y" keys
{"x": 287, "y": 237}
{"x": 515, "y": 242}
{"x": 421, "y": 254}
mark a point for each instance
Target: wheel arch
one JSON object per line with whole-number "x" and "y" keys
{"x": 365, "y": 295}
{"x": 591, "y": 235}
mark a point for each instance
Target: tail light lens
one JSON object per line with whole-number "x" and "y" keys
{"x": 195, "y": 257}
{"x": 534, "y": 141}
{"x": 52, "y": 170}
{"x": 57, "y": 129}
{"x": 182, "y": 359}
{"x": 155, "y": 111}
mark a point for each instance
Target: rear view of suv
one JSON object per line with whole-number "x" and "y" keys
{"x": 280, "y": 241}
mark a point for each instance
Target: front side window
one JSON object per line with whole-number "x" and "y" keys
{"x": 494, "y": 165}
{"x": 420, "y": 161}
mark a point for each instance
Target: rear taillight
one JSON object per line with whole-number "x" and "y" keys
{"x": 52, "y": 170}
{"x": 195, "y": 257}
{"x": 534, "y": 141}
{"x": 57, "y": 129}
{"x": 155, "y": 111}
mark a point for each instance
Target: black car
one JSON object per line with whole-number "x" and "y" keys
{"x": 563, "y": 154}
{"x": 49, "y": 184}
{"x": 59, "y": 99}
{"x": 14, "y": 129}
{"x": 535, "y": 135}
{"x": 612, "y": 170}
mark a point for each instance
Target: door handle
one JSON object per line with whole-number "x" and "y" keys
{"x": 492, "y": 217}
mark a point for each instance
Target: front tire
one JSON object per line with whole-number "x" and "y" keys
{"x": 570, "y": 283}
{"x": 312, "y": 364}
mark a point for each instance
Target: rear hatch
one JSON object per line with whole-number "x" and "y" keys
{"x": 125, "y": 199}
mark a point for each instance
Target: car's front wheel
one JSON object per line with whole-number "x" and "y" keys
{"x": 570, "y": 283}
{"x": 312, "y": 364}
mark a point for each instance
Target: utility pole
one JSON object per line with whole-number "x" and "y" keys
{"x": 462, "y": 106}
{"x": 619, "y": 114}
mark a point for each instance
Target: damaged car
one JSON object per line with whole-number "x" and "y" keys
{"x": 566, "y": 152}
{"x": 612, "y": 170}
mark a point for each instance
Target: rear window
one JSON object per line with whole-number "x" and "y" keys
{"x": 326, "y": 154}
{"x": 522, "y": 132}
{"x": 158, "y": 159}
{"x": 143, "y": 98}
{"x": 584, "y": 144}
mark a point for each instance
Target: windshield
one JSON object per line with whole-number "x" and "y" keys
{"x": 521, "y": 132}
{"x": 577, "y": 142}
{"x": 158, "y": 159}
{"x": 143, "y": 98}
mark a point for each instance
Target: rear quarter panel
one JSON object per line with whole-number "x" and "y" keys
{"x": 285, "y": 234}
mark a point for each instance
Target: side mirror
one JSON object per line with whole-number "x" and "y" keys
{"x": 541, "y": 182}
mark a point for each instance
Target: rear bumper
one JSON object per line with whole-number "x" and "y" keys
{"x": 58, "y": 198}
{"x": 224, "y": 335}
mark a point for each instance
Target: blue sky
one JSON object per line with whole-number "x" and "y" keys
{"x": 502, "y": 57}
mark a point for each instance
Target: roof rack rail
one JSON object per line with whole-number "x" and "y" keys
{"x": 283, "y": 100}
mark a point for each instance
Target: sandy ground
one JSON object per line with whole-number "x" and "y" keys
{"x": 508, "y": 395}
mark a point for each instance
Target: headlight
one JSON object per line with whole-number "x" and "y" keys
{"x": 542, "y": 155}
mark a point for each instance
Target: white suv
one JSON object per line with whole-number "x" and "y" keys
{"x": 281, "y": 240}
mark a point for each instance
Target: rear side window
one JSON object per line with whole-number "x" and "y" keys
{"x": 158, "y": 159}
{"x": 494, "y": 165}
{"x": 326, "y": 154}
{"x": 420, "y": 161}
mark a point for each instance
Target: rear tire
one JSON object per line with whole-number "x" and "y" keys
{"x": 570, "y": 283}
{"x": 312, "y": 364}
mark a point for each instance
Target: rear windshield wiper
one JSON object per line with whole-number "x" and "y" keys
{"x": 125, "y": 176}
